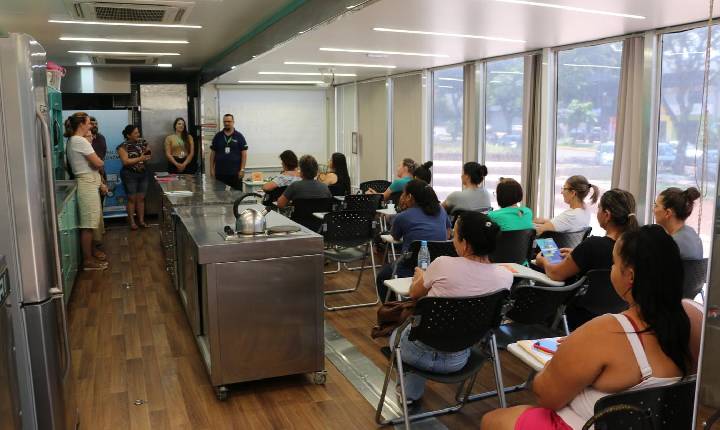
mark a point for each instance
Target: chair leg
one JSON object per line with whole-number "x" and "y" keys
{"x": 566, "y": 327}
{"x": 383, "y": 393}
{"x": 330, "y": 272}
{"x": 403, "y": 399}
{"x": 498, "y": 372}
{"x": 368, "y": 249}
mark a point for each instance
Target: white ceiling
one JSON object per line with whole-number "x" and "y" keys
{"x": 223, "y": 22}
{"x": 540, "y": 27}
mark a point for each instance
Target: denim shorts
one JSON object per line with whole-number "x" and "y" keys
{"x": 134, "y": 182}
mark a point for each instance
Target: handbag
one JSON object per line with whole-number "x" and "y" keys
{"x": 390, "y": 316}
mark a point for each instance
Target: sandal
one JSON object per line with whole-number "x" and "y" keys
{"x": 96, "y": 265}
{"x": 99, "y": 255}
{"x": 143, "y": 225}
{"x": 133, "y": 227}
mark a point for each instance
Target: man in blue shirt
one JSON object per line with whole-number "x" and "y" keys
{"x": 229, "y": 154}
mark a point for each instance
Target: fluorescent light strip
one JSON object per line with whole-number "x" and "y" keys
{"x": 499, "y": 72}
{"x": 84, "y": 63}
{"x": 103, "y": 39}
{"x": 598, "y": 66}
{"x": 307, "y": 74}
{"x": 164, "y": 65}
{"x": 158, "y": 54}
{"x": 450, "y": 79}
{"x": 283, "y": 82}
{"x": 445, "y": 86}
{"x": 367, "y": 51}
{"x": 38, "y": 54}
{"x": 572, "y": 8}
{"x": 126, "y": 24}
{"x": 311, "y": 63}
{"x": 436, "y": 33}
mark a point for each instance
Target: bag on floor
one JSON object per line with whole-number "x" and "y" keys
{"x": 390, "y": 316}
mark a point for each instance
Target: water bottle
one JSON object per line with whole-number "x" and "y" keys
{"x": 423, "y": 256}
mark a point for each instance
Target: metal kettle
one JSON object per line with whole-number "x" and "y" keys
{"x": 250, "y": 220}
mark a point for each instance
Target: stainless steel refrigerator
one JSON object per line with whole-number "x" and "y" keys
{"x": 29, "y": 239}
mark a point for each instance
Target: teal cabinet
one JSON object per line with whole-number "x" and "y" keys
{"x": 68, "y": 217}
{"x": 56, "y": 133}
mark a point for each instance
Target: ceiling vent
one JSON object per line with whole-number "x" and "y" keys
{"x": 136, "y": 11}
{"x": 123, "y": 60}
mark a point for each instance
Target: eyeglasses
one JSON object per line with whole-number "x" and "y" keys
{"x": 567, "y": 189}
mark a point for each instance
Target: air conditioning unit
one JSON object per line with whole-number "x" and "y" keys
{"x": 123, "y": 60}
{"x": 137, "y": 11}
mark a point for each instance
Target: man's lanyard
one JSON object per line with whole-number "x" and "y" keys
{"x": 228, "y": 140}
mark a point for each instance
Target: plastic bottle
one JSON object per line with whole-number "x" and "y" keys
{"x": 423, "y": 256}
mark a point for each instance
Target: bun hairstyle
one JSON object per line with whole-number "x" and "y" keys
{"x": 127, "y": 131}
{"x": 424, "y": 196}
{"x": 410, "y": 164}
{"x": 681, "y": 202}
{"x": 479, "y": 231}
{"x": 621, "y": 205}
{"x": 423, "y": 172}
{"x": 475, "y": 171}
{"x": 658, "y": 288}
{"x": 582, "y": 187}
{"x": 73, "y": 122}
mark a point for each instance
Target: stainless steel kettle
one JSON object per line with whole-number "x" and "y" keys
{"x": 249, "y": 221}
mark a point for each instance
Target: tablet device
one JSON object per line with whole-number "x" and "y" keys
{"x": 550, "y": 250}
{"x": 548, "y": 346}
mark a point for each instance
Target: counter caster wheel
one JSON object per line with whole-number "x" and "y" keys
{"x": 319, "y": 378}
{"x": 222, "y": 393}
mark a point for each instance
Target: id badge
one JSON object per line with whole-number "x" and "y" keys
{"x": 227, "y": 149}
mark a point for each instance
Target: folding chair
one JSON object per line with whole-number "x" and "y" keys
{"x": 303, "y": 210}
{"x": 379, "y": 185}
{"x": 694, "y": 277}
{"x": 513, "y": 246}
{"x": 449, "y": 324}
{"x": 568, "y": 239}
{"x": 598, "y": 297}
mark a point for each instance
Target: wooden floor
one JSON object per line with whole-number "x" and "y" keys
{"x": 131, "y": 342}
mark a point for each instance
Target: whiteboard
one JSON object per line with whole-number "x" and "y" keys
{"x": 273, "y": 120}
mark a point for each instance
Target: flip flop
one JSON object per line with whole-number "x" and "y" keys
{"x": 99, "y": 255}
{"x": 94, "y": 266}
{"x": 133, "y": 227}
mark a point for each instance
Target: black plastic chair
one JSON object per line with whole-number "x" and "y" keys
{"x": 436, "y": 249}
{"x": 694, "y": 277}
{"x": 362, "y": 202}
{"x": 449, "y": 324}
{"x": 568, "y": 239}
{"x": 395, "y": 197}
{"x": 303, "y": 210}
{"x": 272, "y": 196}
{"x": 379, "y": 185}
{"x": 598, "y": 297}
{"x": 513, "y": 246}
{"x": 348, "y": 237}
{"x": 666, "y": 407}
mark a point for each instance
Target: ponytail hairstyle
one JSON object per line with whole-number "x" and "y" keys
{"x": 582, "y": 187}
{"x": 410, "y": 164}
{"x": 679, "y": 201}
{"x": 658, "y": 288}
{"x": 621, "y": 205}
{"x": 475, "y": 171}
{"x": 424, "y": 196}
{"x": 73, "y": 122}
{"x": 423, "y": 172}
{"x": 479, "y": 231}
{"x": 341, "y": 170}
{"x": 127, "y": 131}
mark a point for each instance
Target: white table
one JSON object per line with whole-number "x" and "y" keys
{"x": 320, "y": 215}
{"x": 401, "y": 286}
{"x": 387, "y": 213}
{"x": 339, "y": 198}
{"x": 519, "y": 352}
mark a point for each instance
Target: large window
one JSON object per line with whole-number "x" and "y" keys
{"x": 447, "y": 130}
{"x": 680, "y": 154}
{"x": 503, "y": 120}
{"x": 588, "y": 81}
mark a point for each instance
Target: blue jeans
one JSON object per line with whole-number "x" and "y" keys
{"x": 423, "y": 357}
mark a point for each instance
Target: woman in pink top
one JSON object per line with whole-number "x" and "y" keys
{"x": 470, "y": 274}
{"x": 647, "y": 345}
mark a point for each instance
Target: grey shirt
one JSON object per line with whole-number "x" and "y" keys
{"x": 307, "y": 189}
{"x": 691, "y": 247}
{"x": 469, "y": 199}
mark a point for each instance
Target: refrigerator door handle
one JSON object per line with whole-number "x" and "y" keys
{"x": 47, "y": 151}
{"x": 58, "y": 295}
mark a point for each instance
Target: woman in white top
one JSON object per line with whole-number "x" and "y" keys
{"x": 289, "y": 173}
{"x": 85, "y": 165}
{"x": 577, "y": 218}
{"x": 671, "y": 208}
{"x": 647, "y": 345}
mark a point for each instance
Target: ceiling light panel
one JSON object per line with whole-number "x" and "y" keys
{"x": 351, "y": 75}
{"x": 152, "y": 54}
{"x": 164, "y": 65}
{"x": 84, "y": 63}
{"x": 122, "y": 24}
{"x": 442, "y": 34}
{"x": 312, "y": 63}
{"x": 283, "y": 82}
{"x": 369, "y": 51}
{"x": 114, "y": 40}
{"x": 572, "y": 8}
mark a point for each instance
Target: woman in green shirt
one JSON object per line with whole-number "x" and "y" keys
{"x": 511, "y": 216}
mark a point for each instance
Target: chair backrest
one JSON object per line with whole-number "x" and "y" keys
{"x": 599, "y": 296}
{"x": 694, "y": 277}
{"x": 395, "y": 197}
{"x": 362, "y": 202}
{"x": 513, "y": 246}
{"x": 455, "y": 323}
{"x": 348, "y": 228}
{"x": 303, "y": 211}
{"x": 666, "y": 407}
{"x": 379, "y": 185}
{"x": 568, "y": 239}
{"x": 273, "y": 195}
{"x": 537, "y": 304}
{"x": 436, "y": 248}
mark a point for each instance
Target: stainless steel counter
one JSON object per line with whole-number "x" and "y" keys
{"x": 254, "y": 303}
